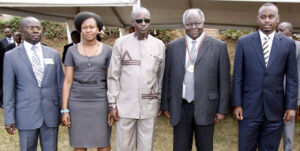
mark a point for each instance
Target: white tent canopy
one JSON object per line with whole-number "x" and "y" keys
{"x": 164, "y": 13}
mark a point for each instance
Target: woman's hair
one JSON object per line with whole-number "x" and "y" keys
{"x": 82, "y": 16}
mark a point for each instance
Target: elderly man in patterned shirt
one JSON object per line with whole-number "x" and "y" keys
{"x": 134, "y": 85}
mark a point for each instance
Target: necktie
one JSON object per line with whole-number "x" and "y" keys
{"x": 189, "y": 76}
{"x": 37, "y": 66}
{"x": 192, "y": 52}
{"x": 266, "y": 49}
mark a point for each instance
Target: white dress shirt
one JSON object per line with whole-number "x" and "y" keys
{"x": 29, "y": 52}
{"x": 262, "y": 36}
{"x": 190, "y": 44}
{"x": 10, "y": 40}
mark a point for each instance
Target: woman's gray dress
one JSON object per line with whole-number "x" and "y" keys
{"x": 88, "y": 102}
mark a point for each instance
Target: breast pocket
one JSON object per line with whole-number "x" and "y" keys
{"x": 155, "y": 61}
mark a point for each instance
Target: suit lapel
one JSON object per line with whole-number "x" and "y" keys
{"x": 182, "y": 54}
{"x": 256, "y": 42}
{"x": 203, "y": 48}
{"x": 45, "y": 55}
{"x": 274, "y": 49}
{"x": 25, "y": 58}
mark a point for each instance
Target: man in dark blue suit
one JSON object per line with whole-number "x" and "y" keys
{"x": 260, "y": 103}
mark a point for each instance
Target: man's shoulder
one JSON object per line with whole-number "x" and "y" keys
{"x": 50, "y": 50}
{"x": 156, "y": 39}
{"x": 177, "y": 41}
{"x": 3, "y": 39}
{"x": 13, "y": 51}
{"x": 68, "y": 45}
{"x": 248, "y": 36}
{"x": 214, "y": 40}
{"x": 124, "y": 38}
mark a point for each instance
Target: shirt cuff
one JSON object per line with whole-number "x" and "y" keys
{"x": 112, "y": 106}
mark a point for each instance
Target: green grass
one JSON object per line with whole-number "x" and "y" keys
{"x": 225, "y": 137}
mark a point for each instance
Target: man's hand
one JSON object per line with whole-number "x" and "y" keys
{"x": 112, "y": 116}
{"x": 238, "y": 112}
{"x": 159, "y": 113}
{"x": 219, "y": 117}
{"x": 65, "y": 119}
{"x": 289, "y": 115}
{"x": 167, "y": 114}
{"x": 10, "y": 129}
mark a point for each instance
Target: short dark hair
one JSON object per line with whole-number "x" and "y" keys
{"x": 268, "y": 4}
{"x": 82, "y": 16}
{"x": 75, "y": 33}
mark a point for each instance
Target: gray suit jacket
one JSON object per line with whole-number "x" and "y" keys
{"x": 298, "y": 67}
{"x": 212, "y": 80}
{"x": 26, "y": 104}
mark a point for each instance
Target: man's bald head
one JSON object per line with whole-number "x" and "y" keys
{"x": 28, "y": 20}
{"x": 31, "y": 29}
{"x": 285, "y": 28}
{"x": 17, "y": 37}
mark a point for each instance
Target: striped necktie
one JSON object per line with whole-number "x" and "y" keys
{"x": 266, "y": 49}
{"x": 37, "y": 66}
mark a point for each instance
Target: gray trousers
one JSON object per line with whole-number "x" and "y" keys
{"x": 288, "y": 135}
{"x": 48, "y": 138}
{"x": 135, "y": 134}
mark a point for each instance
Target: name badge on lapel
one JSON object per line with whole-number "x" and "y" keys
{"x": 48, "y": 61}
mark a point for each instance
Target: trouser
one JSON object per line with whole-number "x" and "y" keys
{"x": 135, "y": 134}
{"x": 288, "y": 135}
{"x": 48, "y": 138}
{"x": 259, "y": 133}
{"x": 183, "y": 132}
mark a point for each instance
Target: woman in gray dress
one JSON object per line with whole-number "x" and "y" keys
{"x": 84, "y": 102}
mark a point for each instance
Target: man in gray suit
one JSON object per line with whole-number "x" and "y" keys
{"x": 33, "y": 79}
{"x": 286, "y": 28}
{"x": 196, "y": 84}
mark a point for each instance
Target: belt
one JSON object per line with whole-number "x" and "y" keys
{"x": 184, "y": 100}
{"x": 85, "y": 82}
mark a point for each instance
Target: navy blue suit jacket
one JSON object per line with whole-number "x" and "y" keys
{"x": 259, "y": 88}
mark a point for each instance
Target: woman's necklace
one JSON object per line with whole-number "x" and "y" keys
{"x": 92, "y": 55}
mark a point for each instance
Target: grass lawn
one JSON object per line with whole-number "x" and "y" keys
{"x": 225, "y": 138}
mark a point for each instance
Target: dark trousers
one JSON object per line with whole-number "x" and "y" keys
{"x": 183, "y": 132}
{"x": 259, "y": 133}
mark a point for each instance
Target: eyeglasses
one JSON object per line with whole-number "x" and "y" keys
{"x": 39, "y": 28}
{"x": 141, "y": 20}
{"x": 191, "y": 25}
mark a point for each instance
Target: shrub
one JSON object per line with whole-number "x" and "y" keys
{"x": 235, "y": 34}
{"x": 51, "y": 29}
{"x": 165, "y": 35}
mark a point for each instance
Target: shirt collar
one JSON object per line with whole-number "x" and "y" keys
{"x": 28, "y": 45}
{"x": 263, "y": 35}
{"x": 189, "y": 39}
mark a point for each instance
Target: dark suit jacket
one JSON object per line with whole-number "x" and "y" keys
{"x": 3, "y": 44}
{"x": 212, "y": 80}
{"x": 65, "y": 51}
{"x": 10, "y": 46}
{"x": 259, "y": 89}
